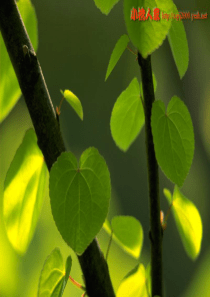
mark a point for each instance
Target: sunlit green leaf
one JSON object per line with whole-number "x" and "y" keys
{"x": 105, "y": 6}
{"x": 24, "y": 190}
{"x": 128, "y": 232}
{"x": 168, "y": 195}
{"x": 54, "y": 275}
{"x": 74, "y": 102}
{"x": 188, "y": 222}
{"x": 9, "y": 90}
{"x": 147, "y": 35}
{"x": 173, "y": 139}
{"x": 117, "y": 52}
{"x": 149, "y": 279}
{"x": 127, "y": 117}
{"x": 134, "y": 284}
{"x": 80, "y": 195}
{"x": 178, "y": 43}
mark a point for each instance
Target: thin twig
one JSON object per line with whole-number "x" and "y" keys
{"x": 131, "y": 51}
{"x": 109, "y": 245}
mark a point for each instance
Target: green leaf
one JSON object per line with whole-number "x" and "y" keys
{"x": 74, "y": 102}
{"x": 24, "y": 189}
{"x": 173, "y": 139}
{"x": 134, "y": 284}
{"x": 128, "y": 232}
{"x": 149, "y": 279}
{"x": 9, "y": 90}
{"x": 127, "y": 117}
{"x": 80, "y": 197}
{"x": 117, "y": 52}
{"x": 54, "y": 275}
{"x": 105, "y": 6}
{"x": 178, "y": 43}
{"x": 188, "y": 222}
{"x": 147, "y": 35}
{"x": 168, "y": 195}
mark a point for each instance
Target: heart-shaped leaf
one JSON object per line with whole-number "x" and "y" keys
{"x": 24, "y": 189}
{"x": 105, "y": 6}
{"x": 173, "y": 139}
{"x": 188, "y": 222}
{"x": 127, "y": 117}
{"x": 146, "y": 34}
{"x": 178, "y": 43}
{"x": 79, "y": 197}
{"x": 9, "y": 90}
{"x": 54, "y": 275}
{"x": 134, "y": 284}
{"x": 128, "y": 232}
{"x": 117, "y": 52}
{"x": 74, "y": 102}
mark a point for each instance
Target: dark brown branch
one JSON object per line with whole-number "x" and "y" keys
{"x": 37, "y": 98}
{"x": 153, "y": 179}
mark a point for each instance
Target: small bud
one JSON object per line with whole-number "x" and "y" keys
{"x": 161, "y": 217}
{"x": 25, "y": 50}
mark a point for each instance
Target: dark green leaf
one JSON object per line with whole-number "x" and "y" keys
{"x": 80, "y": 197}
{"x": 173, "y": 139}
{"x": 178, "y": 43}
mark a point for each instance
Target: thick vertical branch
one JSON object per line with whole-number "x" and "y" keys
{"x": 153, "y": 179}
{"x": 37, "y": 98}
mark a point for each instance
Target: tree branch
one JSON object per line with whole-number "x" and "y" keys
{"x": 153, "y": 179}
{"x": 40, "y": 107}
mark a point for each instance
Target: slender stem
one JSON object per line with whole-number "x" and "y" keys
{"x": 131, "y": 51}
{"x": 153, "y": 179}
{"x": 109, "y": 245}
{"x": 59, "y": 108}
{"x": 40, "y": 107}
{"x": 78, "y": 285}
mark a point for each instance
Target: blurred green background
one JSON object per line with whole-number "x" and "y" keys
{"x": 75, "y": 44}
